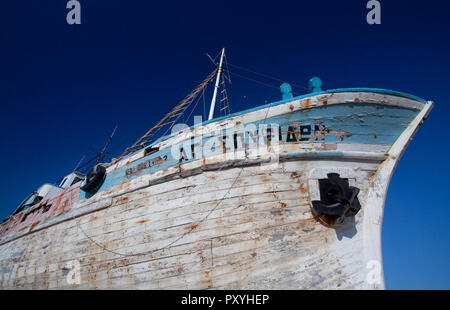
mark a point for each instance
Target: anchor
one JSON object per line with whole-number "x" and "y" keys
{"x": 338, "y": 200}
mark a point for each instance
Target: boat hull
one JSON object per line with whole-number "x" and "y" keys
{"x": 233, "y": 220}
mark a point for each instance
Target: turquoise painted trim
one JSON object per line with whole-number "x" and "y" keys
{"x": 337, "y": 90}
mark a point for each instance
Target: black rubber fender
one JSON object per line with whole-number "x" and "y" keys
{"x": 94, "y": 178}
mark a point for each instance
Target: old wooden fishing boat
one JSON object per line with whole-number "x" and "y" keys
{"x": 288, "y": 195}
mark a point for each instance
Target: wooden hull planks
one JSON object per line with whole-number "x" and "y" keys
{"x": 229, "y": 220}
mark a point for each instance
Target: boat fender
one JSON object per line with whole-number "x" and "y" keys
{"x": 337, "y": 200}
{"x": 94, "y": 178}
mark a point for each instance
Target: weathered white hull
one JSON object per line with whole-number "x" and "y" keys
{"x": 223, "y": 223}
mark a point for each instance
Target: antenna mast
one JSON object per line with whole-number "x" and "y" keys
{"x": 216, "y": 87}
{"x": 100, "y": 156}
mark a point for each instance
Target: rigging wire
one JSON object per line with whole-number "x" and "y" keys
{"x": 102, "y": 153}
{"x": 192, "y": 111}
{"x": 268, "y": 76}
{"x": 79, "y": 163}
{"x": 259, "y": 82}
{"x": 204, "y": 104}
{"x": 228, "y": 70}
{"x": 169, "y": 119}
{"x": 195, "y": 105}
{"x": 172, "y": 117}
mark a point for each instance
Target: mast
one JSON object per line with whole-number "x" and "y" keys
{"x": 100, "y": 156}
{"x": 213, "y": 101}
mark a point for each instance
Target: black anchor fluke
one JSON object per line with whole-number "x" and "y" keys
{"x": 337, "y": 200}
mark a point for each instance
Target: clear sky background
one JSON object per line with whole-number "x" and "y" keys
{"x": 64, "y": 87}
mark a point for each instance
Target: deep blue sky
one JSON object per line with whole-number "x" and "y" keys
{"x": 64, "y": 87}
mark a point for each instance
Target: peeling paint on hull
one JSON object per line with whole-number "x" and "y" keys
{"x": 226, "y": 221}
